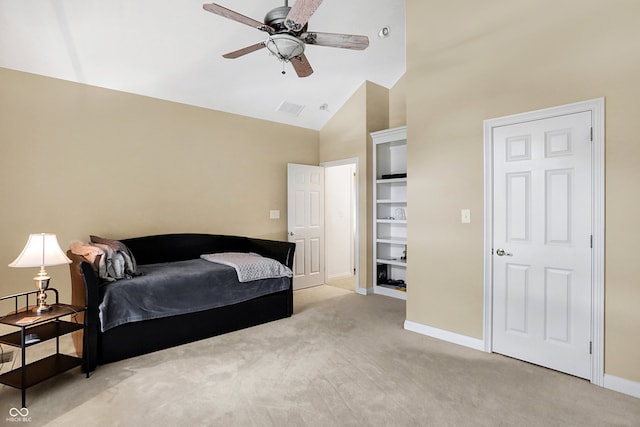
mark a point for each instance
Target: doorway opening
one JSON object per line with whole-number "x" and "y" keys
{"x": 341, "y": 224}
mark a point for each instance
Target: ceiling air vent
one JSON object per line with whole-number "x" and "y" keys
{"x": 290, "y": 108}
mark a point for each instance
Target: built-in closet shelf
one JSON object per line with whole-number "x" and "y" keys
{"x": 392, "y": 181}
{"x": 395, "y": 202}
{"x": 392, "y": 240}
{"x": 392, "y": 291}
{"x": 390, "y": 202}
{"x": 391, "y": 221}
{"x": 396, "y": 261}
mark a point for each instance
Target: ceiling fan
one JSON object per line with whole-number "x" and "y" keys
{"x": 287, "y": 34}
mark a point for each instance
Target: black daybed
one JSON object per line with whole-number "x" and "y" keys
{"x": 121, "y": 340}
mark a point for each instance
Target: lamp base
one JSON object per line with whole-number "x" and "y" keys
{"x": 42, "y": 309}
{"x": 42, "y": 283}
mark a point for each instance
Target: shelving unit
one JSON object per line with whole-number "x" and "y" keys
{"x": 390, "y": 212}
{"x": 46, "y": 326}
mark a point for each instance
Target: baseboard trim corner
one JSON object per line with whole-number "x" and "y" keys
{"x": 632, "y": 388}
{"x": 364, "y": 291}
{"x": 444, "y": 335}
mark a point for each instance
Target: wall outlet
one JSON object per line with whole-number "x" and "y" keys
{"x": 275, "y": 214}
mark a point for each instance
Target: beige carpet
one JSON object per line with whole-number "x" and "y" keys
{"x": 342, "y": 360}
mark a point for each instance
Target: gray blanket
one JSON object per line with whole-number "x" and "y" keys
{"x": 174, "y": 288}
{"x": 250, "y": 266}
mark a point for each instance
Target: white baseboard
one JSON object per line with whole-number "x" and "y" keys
{"x": 622, "y": 385}
{"x": 632, "y": 388}
{"x": 364, "y": 291}
{"x": 441, "y": 334}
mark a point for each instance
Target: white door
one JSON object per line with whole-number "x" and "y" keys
{"x": 305, "y": 207}
{"x": 542, "y": 242}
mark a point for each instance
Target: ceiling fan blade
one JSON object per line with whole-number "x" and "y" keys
{"x": 344, "y": 41}
{"x": 238, "y": 17}
{"x": 240, "y": 52}
{"x": 300, "y": 13}
{"x": 301, "y": 65}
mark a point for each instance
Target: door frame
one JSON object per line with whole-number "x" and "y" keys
{"x": 356, "y": 232}
{"x": 596, "y": 107}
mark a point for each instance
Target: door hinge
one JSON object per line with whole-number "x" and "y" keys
{"x": 591, "y": 135}
{"x": 591, "y": 241}
{"x": 590, "y": 347}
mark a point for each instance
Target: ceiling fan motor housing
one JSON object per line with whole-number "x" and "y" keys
{"x": 275, "y": 19}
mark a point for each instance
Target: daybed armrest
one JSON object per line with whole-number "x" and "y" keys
{"x": 84, "y": 292}
{"x": 280, "y": 251}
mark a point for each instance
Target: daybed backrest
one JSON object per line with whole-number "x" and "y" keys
{"x": 180, "y": 247}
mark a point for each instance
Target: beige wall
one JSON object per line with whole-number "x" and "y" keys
{"x": 398, "y": 103}
{"x": 469, "y": 61}
{"x": 80, "y": 160}
{"x": 346, "y": 136}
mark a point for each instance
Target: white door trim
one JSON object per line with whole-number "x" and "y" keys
{"x": 596, "y": 107}
{"x": 352, "y": 161}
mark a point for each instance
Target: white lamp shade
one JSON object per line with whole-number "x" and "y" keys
{"x": 41, "y": 250}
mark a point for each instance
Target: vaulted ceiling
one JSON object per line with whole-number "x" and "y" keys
{"x": 172, "y": 50}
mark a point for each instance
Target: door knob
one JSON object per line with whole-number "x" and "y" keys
{"x": 501, "y": 252}
{"x": 291, "y": 233}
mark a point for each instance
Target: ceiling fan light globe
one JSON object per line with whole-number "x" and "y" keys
{"x": 285, "y": 46}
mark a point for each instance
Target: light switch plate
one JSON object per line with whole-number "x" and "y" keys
{"x": 275, "y": 214}
{"x": 465, "y": 216}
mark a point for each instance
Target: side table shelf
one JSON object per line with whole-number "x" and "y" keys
{"x": 46, "y": 326}
{"x": 39, "y": 371}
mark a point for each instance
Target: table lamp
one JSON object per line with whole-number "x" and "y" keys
{"x": 42, "y": 250}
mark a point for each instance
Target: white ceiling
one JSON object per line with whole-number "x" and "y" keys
{"x": 171, "y": 50}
